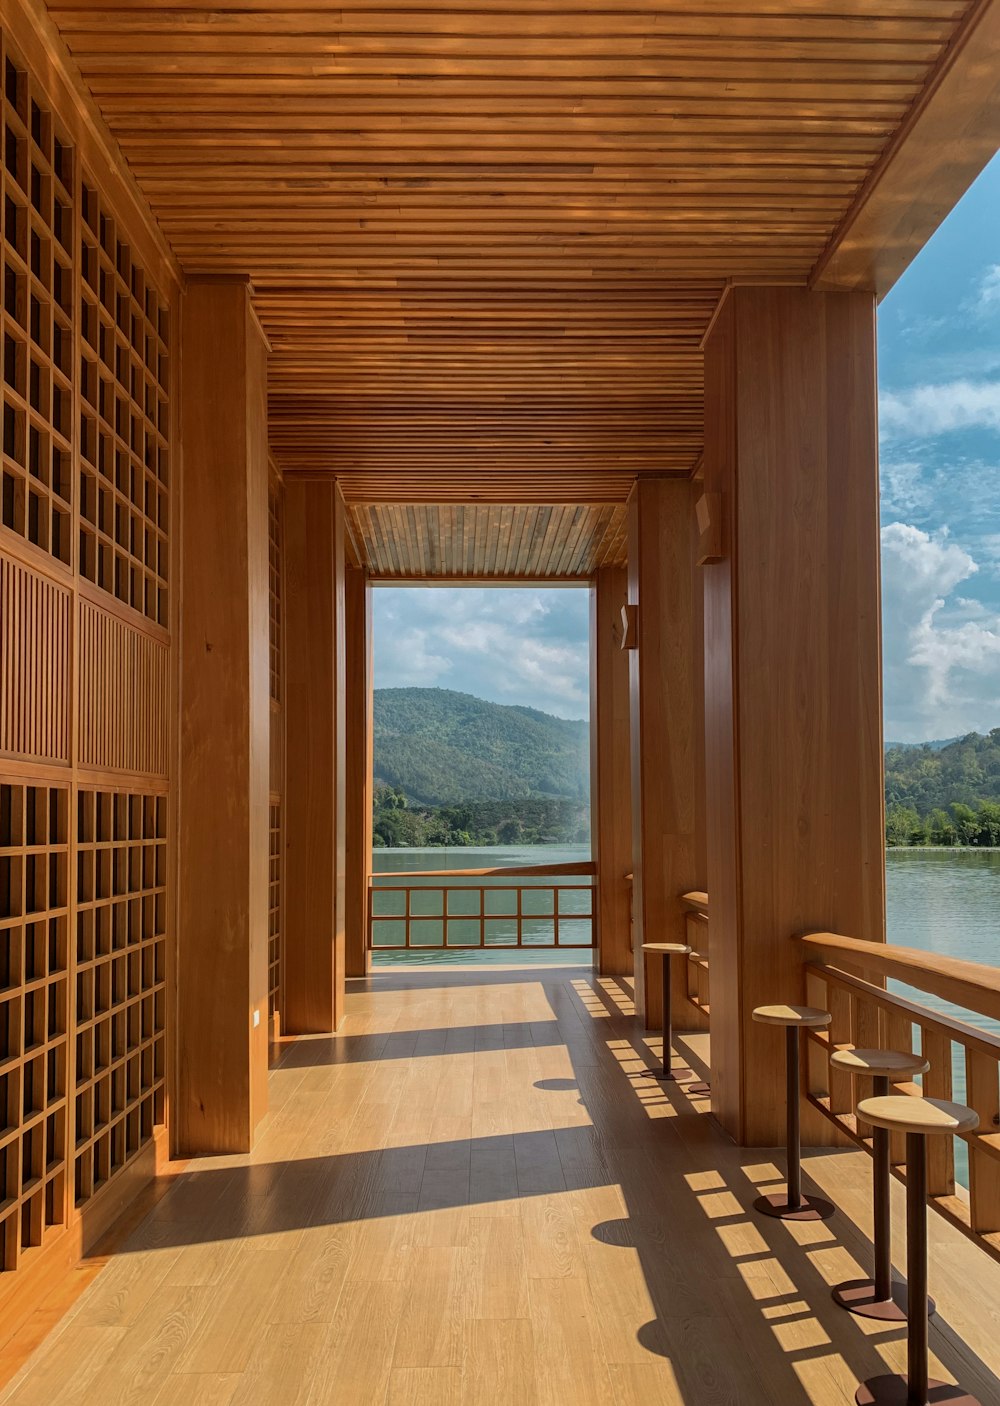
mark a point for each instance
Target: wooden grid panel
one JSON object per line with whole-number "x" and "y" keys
{"x": 124, "y": 420}
{"x": 274, "y": 549}
{"x": 274, "y": 912}
{"x": 38, "y": 317}
{"x": 35, "y": 642}
{"x": 480, "y": 540}
{"x": 120, "y": 981}
{"x": 123, "y": 681}
{"x": 34, "y": 1005}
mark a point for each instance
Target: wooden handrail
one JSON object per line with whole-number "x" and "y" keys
{"x": 972, "y": 985}
{"x": 513, "y": 871}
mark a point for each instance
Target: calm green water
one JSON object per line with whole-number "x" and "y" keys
{"x": 500, "y": 906}
{"x": 946, "y": 902}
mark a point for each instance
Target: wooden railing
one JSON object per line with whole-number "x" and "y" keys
{"x": 696, "y": 925}
{"x": 471, "y": 909}
{"x": 846, "y": 977}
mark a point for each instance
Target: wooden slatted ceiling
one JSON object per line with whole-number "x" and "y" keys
{"x": 486, "y": 235}
{"x": 411, "y": 541}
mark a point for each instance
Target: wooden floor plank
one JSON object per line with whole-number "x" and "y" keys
{"x": 470, "y": 1196}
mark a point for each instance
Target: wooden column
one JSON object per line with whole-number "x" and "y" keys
{"x": 792, "y": 666}
{"x": 223, "y": 812}
{"x": 610, "y": 775}
{"x": 664, "y": 695}
{"x": 359, "y": 767}
{"x": 315, "y": 757}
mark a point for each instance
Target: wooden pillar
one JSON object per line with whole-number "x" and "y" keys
{"x": 792, "y": 669}
{"x": 315, "y": 757}
{"x": 610, "y": 778}
{"x": 223, "y": 812}
{"x": 664, "y": 696}
{"x": 359, "y": 768}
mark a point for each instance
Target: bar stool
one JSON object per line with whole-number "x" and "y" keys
{"x": 667, "y": 950}
{"x": 918, "y": 1118}
{"x": 878, "y": 1297}
{"x": 793, "y": 1205}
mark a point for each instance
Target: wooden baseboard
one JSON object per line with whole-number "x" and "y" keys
{"x": 51, "y": 1278}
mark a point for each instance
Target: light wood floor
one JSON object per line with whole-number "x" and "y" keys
{"x": 470, "y": 1196}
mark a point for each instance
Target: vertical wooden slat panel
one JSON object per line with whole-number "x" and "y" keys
{"x": 34, "y": 648}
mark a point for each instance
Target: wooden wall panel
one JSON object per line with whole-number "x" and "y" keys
{"x": 610, "y": 774}
{"x": 722, "y": 810}
{"x": 124, "y": 697}
{"x": 664, "y": 699}
{"x": 86, "y": 907}
{"x": 35, "y": 654}
{"x": 276, "y": 764}
{"x": 360, "y": 737}
{"x": 315, "y": 782}
{"x": 793, "y": 677}
{"x": 222, "y": 967}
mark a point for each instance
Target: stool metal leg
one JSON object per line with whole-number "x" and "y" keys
{"x": 793, "y": 1205}
{"x": 916, "y": 1388}
{"x": 793, "y": 1137}
{"x": 668, "y": 1030}
{"x": 916, "y": 1266}
{"x": 666, "y": 1072}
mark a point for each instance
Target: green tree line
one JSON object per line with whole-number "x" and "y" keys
{"x": 399, "y": 822}
{"x": 959, "y": 824}
{"x": 944, "y": 793}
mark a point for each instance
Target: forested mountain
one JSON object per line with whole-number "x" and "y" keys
{"x": 451, "y": 769}
{"x": 944, "y": 794}
{"x": 442, "y": 748}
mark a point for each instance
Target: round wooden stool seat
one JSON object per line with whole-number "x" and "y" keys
{"x": 887, "y": 1064}
{"x": 900, "y": 1113}
{"x": 809, "y": 1017}
{"x": 667, "y": 949}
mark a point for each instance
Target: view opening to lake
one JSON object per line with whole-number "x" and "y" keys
{"x": 481, "y": 763}
{"x": 939, "y": 405}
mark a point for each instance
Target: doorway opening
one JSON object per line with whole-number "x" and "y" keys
{"x": 481, "y": 775}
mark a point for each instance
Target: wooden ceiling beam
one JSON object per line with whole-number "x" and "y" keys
{"x": 951, "y": 133}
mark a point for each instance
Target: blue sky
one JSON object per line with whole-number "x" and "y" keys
{"x": 939, "y": 414}
{"x": 939, "y": 411}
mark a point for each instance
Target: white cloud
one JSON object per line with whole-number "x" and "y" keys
{"x": 942, "y": 650}
{"x": 927, "y": 410}
{"x": 989, "y": 290}
{"x": 523, "y": 646}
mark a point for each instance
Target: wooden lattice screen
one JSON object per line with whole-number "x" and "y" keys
{"x": 85, "y": 679}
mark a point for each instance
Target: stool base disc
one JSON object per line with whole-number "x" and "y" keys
{"x": 699, "y": 1088}
{"x": 675, "y": 1076}
{"x": 812, "y": 1208}
{"x": 892, "y": 1391}
{"x": 858, "y": 1297}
